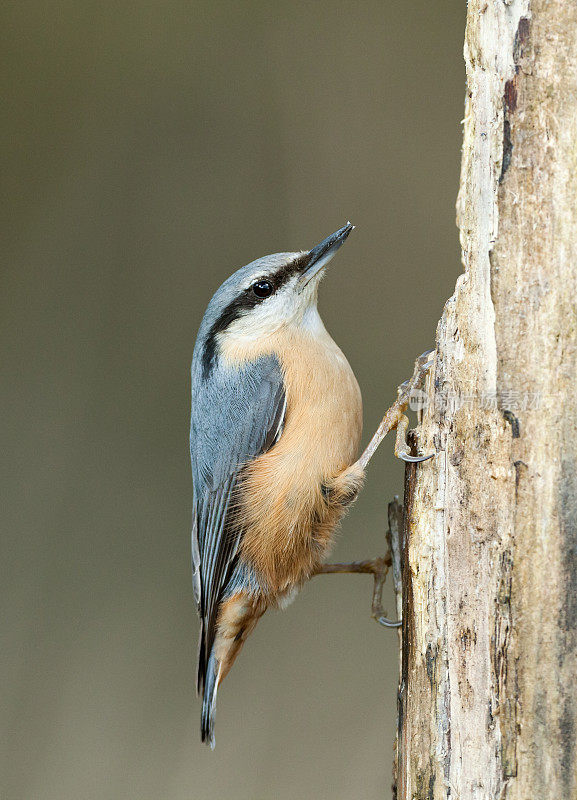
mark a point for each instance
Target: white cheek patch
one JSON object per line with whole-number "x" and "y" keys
{"x": 312, "y": 322}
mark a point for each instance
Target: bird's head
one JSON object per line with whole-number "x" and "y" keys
{"x": 267, "y": 294}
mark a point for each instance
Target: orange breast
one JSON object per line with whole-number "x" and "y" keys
{"x": 289, "y": 516}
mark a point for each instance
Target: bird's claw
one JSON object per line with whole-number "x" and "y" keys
{"x": 387, "y": 623}
{"x": 401, "y": 446}
{"x": 413, "y": 459}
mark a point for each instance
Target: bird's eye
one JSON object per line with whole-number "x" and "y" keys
{"x": 262, "y": 289}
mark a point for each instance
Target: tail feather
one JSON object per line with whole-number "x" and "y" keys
{"x": 200, "y": 662}
{"x": 209, "y": 701}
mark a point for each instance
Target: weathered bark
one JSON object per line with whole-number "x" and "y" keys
{"x": 488, "y": 690}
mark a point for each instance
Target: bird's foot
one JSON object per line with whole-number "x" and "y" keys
{"x": 378, "y": 568}
{"x": 402, "y": 446}
{"x": 395, "y": 416}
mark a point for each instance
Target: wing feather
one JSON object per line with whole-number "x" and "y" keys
{"x": 237, "y": 414}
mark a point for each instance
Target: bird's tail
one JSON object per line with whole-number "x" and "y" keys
{"x": 209, "y": 701}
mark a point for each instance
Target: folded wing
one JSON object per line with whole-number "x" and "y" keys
{"x": 237, "y": 414}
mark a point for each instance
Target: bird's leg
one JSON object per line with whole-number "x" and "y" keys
{"x": 378, "y": 568}
{"x": 395, "y": 416}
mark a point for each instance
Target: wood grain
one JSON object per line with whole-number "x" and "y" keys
{"x": 487, "y": 700}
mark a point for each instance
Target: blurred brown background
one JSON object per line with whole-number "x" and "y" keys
{"x": 149, "y": 150}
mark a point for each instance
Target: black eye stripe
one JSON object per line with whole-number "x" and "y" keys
{"x": 245, "y": 302}
{"x": 284, "y": 274}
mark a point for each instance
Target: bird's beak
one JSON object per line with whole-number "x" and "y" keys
{"x": 320, "y": 255}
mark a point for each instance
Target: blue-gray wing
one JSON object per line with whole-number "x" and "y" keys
{"x": 237, "y": 414}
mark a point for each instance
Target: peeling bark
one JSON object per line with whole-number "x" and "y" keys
{"x": 487, "y": 695}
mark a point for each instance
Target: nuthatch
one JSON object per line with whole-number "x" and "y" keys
{"x": 275, "y": 429}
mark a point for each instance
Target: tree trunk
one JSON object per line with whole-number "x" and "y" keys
{"x": 488, "y": 689}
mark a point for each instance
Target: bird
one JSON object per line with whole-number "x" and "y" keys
{"x": 276, "y": 423}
